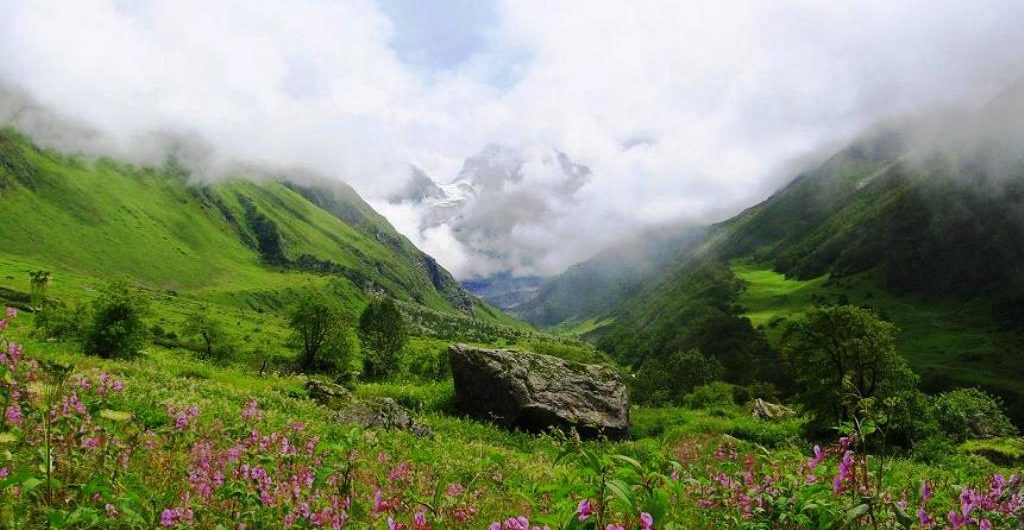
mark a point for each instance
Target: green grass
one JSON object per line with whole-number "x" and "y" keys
{"x": 948, "y": 344}
{"x": 89, "y": 222}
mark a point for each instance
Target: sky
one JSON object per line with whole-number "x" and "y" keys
{"x": 683, "y": 111}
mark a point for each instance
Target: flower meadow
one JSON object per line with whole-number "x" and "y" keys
{"x": 90, "y": 448}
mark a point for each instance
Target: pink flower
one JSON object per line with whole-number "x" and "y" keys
{"x": 251, "y": 411}
{"x": 614, "y": 526}
{"x": 585, "y": 509}
{"x": 11, "y": 312}
{"x": 985, "y": 524}
{"x": 819, "y": 455}
{"x": 184, "y": 417}
{"x": 494, "y": 526}
{"x": 392, "y": 525}
{"x": 111, "y": 510}
{"x": 419, "y": 521}
{"x": 926, "y": 492}
{"x": 13, "y": 414}
{"x": 923, "y": 517}
{"x": 646, "y": 521}
{"x": 517, "y": 523}
{"x": 90, "y": 443}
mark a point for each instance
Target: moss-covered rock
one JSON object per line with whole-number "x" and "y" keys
{"x": 535, "y": 392}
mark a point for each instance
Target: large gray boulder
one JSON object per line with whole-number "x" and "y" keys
{"x": 535, "y": 392}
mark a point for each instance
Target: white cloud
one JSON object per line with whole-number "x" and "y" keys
{"x": 682, "y": 110}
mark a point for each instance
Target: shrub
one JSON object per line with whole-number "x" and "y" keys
{"x": 323, "y": 336}
{"x": 116, "y": 329}
{"x": 383, "y": 334}
{"x": 967, "y": 413}
{"x": 208, "y": 335}
{"x": 662, "y": 381}
{"x": 57, "y": 320}
{"x": 715, "y": 394}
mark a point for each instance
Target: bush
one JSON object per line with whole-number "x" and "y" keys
{"x": 968, "y": 413}
{"x": 323, "y": 335}
{"x": 661, "y": 381}
{"x": 717, "y": 394}
{"x": 383, "y": 335}
{"x": 209, "y": 338}
{"x": 116, "y": 329}
{"x": 426, "y": 362}
{"x": 56, "y": 320}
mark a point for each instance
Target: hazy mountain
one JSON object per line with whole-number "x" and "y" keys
{"x": 921, "y": 220}
{"x": 107, "y": 219}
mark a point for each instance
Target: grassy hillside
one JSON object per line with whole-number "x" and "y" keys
{"x": 931, "y": 238}
{"x": 948, "y": 344}
{"x": 591, "y": 289}
{"x": 247, "y": 243}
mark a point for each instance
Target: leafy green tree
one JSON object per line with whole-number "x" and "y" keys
{"x": 839, "y": 352}
{"x": 966, "y": 413}
{"x": 383, "y": 335}
{"x": 116, "y": 329}
{"x": 667, "y": 381}
{"x": 322, "y": 332}
{"x": 213, "y": 340}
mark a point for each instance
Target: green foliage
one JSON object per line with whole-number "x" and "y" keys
{"x": 39, "y": 281}
{"x": 383, "y": 335}
{"x": 115, "y": 329}
{"x": 667, "y": 381}
{"x": 322, "y": 333}
{"x": 57, "y": 320}
{"x": 839, "y": 351}
{"x": 716, "y": 394}
{"x": 968, "y": 413}
{"x": 209, "y": 336}
{"x": 695, "y": 310}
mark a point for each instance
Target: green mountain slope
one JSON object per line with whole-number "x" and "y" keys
{"x": 588, "y": 291}
{"x": 238, "y": 241}
{"x": 929, "y": 235}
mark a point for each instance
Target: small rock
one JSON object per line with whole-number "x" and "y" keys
{"x": 329, "y": 394}
{"x": 766, "y": 411}
{"x": 383, "y": 413}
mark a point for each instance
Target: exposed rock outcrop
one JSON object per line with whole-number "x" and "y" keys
{"x": 535, "y": 392}
{"x": 764, "y": 410}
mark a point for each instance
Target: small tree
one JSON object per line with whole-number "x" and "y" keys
{"x": 661, "y": 381}
{"x": 322, "y": 334}
{"x": 213, "y": 340}
{"x": 838, "y": 351}
{"x": 383, "y": 335}
{"x": 38, "y": 281}
{"x": 116, "y": 329}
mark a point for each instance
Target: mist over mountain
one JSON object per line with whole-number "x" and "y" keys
{"x": 507, "y": 211}
{"x": 920, "y": 219}
{"x": 681, "y": 113}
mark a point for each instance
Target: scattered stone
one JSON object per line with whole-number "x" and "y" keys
{"x": 329, "y": 394}
{"x": 536, "y": 392}
{"x": 383, "y": 413}
{"x": 766, "y": 411}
